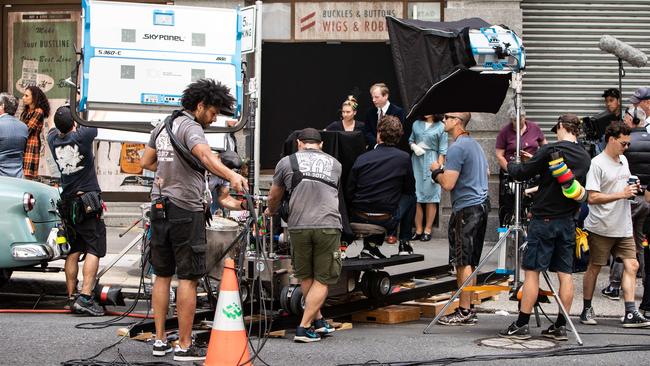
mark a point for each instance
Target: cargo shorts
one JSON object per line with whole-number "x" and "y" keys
{"x": 316, "y": 254}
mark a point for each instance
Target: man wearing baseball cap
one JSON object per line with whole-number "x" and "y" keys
{"x": 551, "y": 232}
{"x": 72, "y": 150}
{"x": 311, "y": 177}
{"x": 641, "y": 98}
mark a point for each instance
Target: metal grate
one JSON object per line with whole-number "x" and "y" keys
{"x": 566, "y": 71}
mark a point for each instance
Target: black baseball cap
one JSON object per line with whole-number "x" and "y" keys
{"x": 63, "y": 119}
{"x": 309, "y": 134}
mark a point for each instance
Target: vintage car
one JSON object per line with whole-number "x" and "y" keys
{"x": 30, "y": 226}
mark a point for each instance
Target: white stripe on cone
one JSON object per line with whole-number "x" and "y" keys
{"x": 229, "y": 315}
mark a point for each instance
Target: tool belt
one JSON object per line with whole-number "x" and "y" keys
{"x": 372, "y": 216}
{"x": 76, "y": 209}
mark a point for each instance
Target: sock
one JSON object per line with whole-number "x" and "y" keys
{"x": 463, "y": 310}
{"x": 523, "y": 319}
{"x": 586, "y": 303}
{"x": 561, "y": 321}
{"x": 629, "y": 306}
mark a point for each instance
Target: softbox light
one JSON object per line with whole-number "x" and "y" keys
{"x": 434, "y": 61}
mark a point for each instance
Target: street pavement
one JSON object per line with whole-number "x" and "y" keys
{"x": 53, "y": 338}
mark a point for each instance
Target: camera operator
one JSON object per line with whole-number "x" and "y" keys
{"x": 465, "y": 175}
{"x": 551, "y": 231}
{"x": 178, "y": 240}
{"x": 638, "y": 156}
{"x": 612, "y": 100}
{"x": 609, "y": 222}
{"x": 72, "y": 149}
{"x": 506, "y": 144}
{"x": 314, "y": 225}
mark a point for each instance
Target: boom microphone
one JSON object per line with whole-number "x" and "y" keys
{"x": 622, "y": 50}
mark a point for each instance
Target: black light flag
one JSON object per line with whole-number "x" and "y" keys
{"x": 432, "y": 63}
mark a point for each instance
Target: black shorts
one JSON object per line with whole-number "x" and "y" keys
{"x": 466, "y": 234}
{"x": 178, "y": 244}
{"x": 551, "y": 245}
{"x": 89, "y": 237}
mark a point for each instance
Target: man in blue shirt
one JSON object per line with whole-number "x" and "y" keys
{"x": 381, "y": 189}
{"x": 465, "y": 175}
{"x": 13, "y": 138}
{"x": 81, "y": 206}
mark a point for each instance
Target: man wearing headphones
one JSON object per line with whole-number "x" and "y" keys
{"x": 638, "y": 156}
{"x": 641, "y": 99}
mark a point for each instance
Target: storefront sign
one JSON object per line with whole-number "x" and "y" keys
{"x": 344, "y": 20}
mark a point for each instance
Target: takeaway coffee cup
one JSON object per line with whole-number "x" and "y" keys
{"x": 632, "y": 180}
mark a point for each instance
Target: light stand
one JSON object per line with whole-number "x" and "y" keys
{"x": 515, "y": 229}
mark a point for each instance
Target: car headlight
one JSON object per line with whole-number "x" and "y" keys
{"x": 28, "y": 201}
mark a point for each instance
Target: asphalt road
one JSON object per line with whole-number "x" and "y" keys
{"x": 49, "y": 339}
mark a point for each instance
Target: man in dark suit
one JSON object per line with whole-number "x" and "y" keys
{"x": 383, "y": 107}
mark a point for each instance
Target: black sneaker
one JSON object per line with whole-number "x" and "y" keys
{"x": 457, "y": 318}
{"x": 587, "y": 316}
{"x": 161, "y": 348}
{"x": 557, "y": 333}
{"x": 416, "y": 236}
{"x": 515, "y": 332}
{"x": 321, "y": 326}
{"x": 371, "y": 252}
{"x": 634, "y": 319}
{"x": 306, "y": 335}
{"x": 405, "y": 248}
{"x": 87, "y": 306}
{"x": 611, "y": 293}
{"x": 193, "y": 353}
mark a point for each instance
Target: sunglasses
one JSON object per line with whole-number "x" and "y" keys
{"x": 625, "y": 143}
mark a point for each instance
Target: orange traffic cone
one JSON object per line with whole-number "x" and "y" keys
{"x": 228, "y": 344}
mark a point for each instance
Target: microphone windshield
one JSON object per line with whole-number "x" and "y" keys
{"x": 622, "y": 50}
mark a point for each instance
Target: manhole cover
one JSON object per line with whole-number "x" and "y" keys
{"x": 506, "y": 343}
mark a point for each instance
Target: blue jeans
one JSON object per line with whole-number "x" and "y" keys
{"x": 403, "y": 216}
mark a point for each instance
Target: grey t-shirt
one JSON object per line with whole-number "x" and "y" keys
{"x": 613, "y": 219}
{"x": 466, "y": 157}
{"x": 313, "y": 204}
{"x": 175, "y": 179}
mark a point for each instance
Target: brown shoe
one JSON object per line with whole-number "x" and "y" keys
{"x": 391, "y": 239}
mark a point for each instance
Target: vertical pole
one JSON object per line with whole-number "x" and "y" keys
{"x": 517, "y": 87}
{"x": 258, "y": 89}
{"x": 621, "y": 73}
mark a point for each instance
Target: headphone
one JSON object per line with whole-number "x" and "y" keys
{"x": 635, "y": 120}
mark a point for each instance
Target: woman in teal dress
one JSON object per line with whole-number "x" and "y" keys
{"x": 429, "y": 143}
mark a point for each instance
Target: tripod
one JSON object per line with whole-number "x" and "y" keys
{"x": 515, "y": 229}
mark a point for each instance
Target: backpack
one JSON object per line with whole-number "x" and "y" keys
{"x": 295, "y": 180}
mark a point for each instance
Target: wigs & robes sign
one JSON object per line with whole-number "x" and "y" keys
{"x": 322, "y": 21}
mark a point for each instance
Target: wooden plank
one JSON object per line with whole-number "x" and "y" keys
{"x": 430, "y": 310}
{"x": 344, "y": 326}
{"x": 278, "y": 334}
{"x": 393, "y": 314}
{"x": 436, "y": 298}
{"x": 480, "y": 296}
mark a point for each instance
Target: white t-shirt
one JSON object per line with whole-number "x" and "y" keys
{"x": 613, "y": 219}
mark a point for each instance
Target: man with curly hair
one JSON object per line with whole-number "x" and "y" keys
{"x": 178, "y": 240}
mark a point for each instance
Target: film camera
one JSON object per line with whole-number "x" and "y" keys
{"x": 594, "y": 126}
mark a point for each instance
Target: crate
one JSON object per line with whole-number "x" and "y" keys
{"x": 393, "y": 314}
{"x": 431, "y": 309}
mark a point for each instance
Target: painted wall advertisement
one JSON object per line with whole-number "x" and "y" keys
{"x": 42, "y": 47}
{"x": 344, "y": 20}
